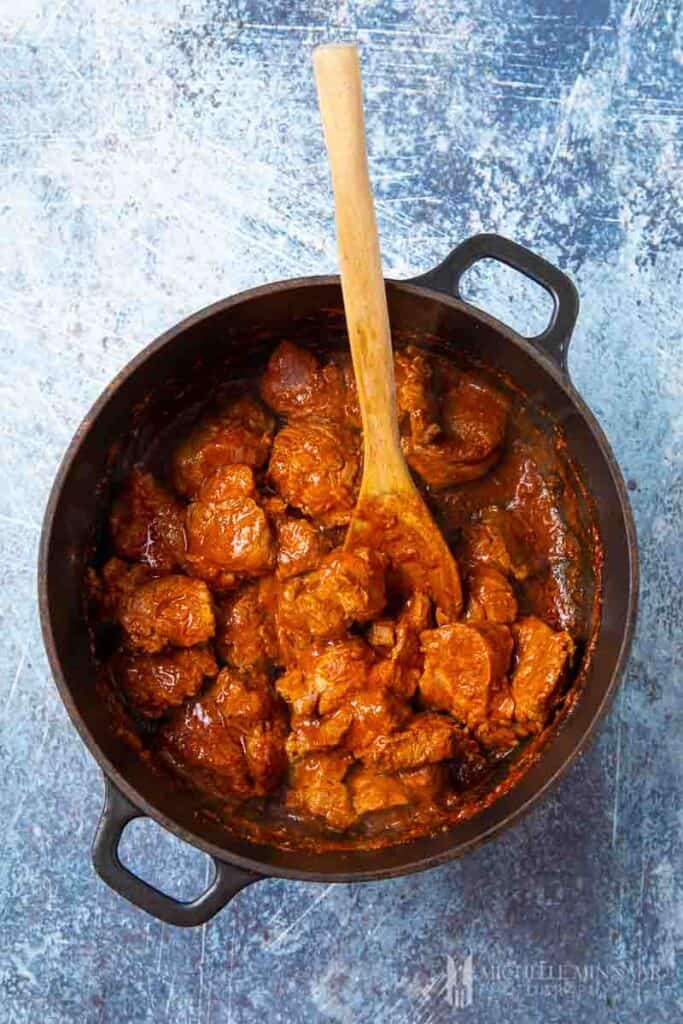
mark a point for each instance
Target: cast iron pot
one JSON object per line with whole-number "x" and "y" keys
{"x": 241, "y": 329}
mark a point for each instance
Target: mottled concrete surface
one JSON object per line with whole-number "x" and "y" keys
{"x": 159, "y": 155}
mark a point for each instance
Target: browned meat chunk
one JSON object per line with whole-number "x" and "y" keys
{"x": 491, "y": 596}
{"x": 334, "y": 701}
{"x": 499, "y": 730}
{"x": 494, "y": 541}
{"x": 155, "y": 683}
{"x": 427, "y": 739}
{"x": 228, "y": 534}
{"x": 315, "y": 467}
{"x": 428, "y": 785}
{"x": 376, "y": 713}
{"x": 398, "y": 644}
{"x": 473, "y": 420}
{"x": 147, "y": 523}
{"x": 233, "y": 739}
{"x": 372, "y": 792}
{"x": 116, "y": 580}
{"x": 241, "y": 434}
{"x": 319, "y": 734}
{"x": 417, "y": 407}
{"x": 297, "y": 386}
{"x": 463, "y": 665}
{"x": 541, "y": 663}
{"x": 348, "y": 587}
{"x": 300, "y": 543}
{"x": 325, "y": 676}
{"x": 174, "y": 610}
{"x": 245, "y": 630}
{"x": 318, "y": 789}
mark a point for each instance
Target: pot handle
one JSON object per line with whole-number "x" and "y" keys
{"x": 117, "y": 812}
{"x": 554, "y": 341}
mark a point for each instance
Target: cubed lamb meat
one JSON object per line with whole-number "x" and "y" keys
{"x": 463, "y": 665}
{"x": 372, "y": 792}
{"x": 228, "y": 533}
{"x": 315, "y": 467}
{"x": 147, "y": 523}
{"x": 155, "y": 683}
{"x": 325, "y": 676}
{"x": 426, "y": 739}
{"x": 232, "y": 740}
{"x": 318, "y": 789}
{"x": 301, "y": 547}
{"x": 375, "y": 712}
{"x": 297, "y": 386}
{"x": 494, "y": 540}
{"x": 334, "y": 702}
{"x": 241, "y": 434}
{"x": 398, "y": 645}
{"x": 491, "y": 596}
{"x": 473, "y": 421}
{"x": 108, "y": 589}
{"x": 415, "y": 400}
{"x": 429, "y": 784}
{"x": 245, "y": 629}
{"x": 317, "y": 734}
{"x": 173, "y": 610}
{"x": 542, "y": 657}
{"x": 347, "y": 588}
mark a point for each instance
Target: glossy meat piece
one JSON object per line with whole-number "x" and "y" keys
{"x": 398, "y": 645}
{"x": 415, "y": 399}
{"x": 325, "y": 676}
{"x": 376, "y": 713}
{"x": 334, "y": 701}
{"x": 348, "y": 587}
{"x": 537, "y": 507}
{"x": 372, "y": 792}
{"x": 427, "y": 739}
{"x": 494, "y": 540}
{"x": 173, "y": 610}
{"x": 317, "y": 788}
{"x": 245, "y": 630}
{"x": 296, "y": 386}
{"x": 232, "y": 740}
{"x": 155, "y": 683}
{"x": 491, "y": 596}
{"x": 241, "y": 434}
{"x": 318, "y": 734}
{"x": 300, "y": 543}
{"x": 429, "y": 784}
{"x": 542, "y": 657}
{"x": 473, "y": 421}
{"x": 499, "y": 730}
{"x": 463, "y": 665}
{"x": 147, "y": 524}
{"x": 115, "y": 581}
{"x": 315, "y": 467}
{"x": 300, "y": 548}
{"x": 228, "y": 534}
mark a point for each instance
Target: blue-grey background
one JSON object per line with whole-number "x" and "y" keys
{"x": 157, "y": 155}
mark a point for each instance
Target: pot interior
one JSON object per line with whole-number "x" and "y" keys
{"x": 163, "y": 386}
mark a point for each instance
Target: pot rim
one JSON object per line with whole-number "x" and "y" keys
{"x": 251, "y": 864}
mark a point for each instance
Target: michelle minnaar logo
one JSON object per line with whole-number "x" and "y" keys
{"x": 459, "y": 982}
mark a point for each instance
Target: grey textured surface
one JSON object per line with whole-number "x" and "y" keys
{"x": 159, "y": 155}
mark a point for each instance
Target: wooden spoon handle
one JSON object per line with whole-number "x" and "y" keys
{"x": 337, "y": 73}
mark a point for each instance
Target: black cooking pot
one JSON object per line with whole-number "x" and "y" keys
{"x": 235, "y": 335}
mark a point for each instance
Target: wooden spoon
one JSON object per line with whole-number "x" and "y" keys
{"x": 390, "y": 515}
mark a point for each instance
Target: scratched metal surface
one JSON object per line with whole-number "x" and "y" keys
{"x": 159, "y": 155}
